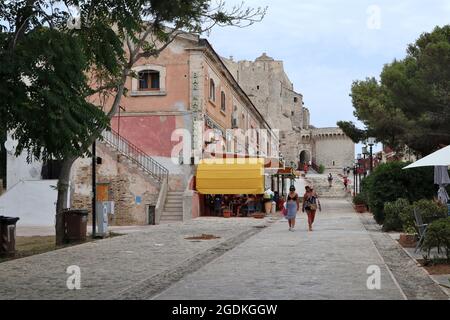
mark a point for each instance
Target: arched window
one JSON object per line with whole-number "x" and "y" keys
{"x": 223, "y": 101}
{"x": 212, "y": 90}
{"x": 234, "y": 118}
{"x": 149, "y": 80}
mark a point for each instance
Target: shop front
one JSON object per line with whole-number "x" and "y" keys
{"x": 231, "y": 187}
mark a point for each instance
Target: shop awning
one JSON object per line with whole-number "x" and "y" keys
{"x": 230, "y": 176}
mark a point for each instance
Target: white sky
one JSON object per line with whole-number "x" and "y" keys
{"x": 327, "y": 44}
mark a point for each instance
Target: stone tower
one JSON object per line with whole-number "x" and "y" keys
{"x": 270, "y": 89}
{"x": 268, "y": 86}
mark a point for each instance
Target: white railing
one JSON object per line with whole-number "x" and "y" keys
{"x": 136, "y": 155}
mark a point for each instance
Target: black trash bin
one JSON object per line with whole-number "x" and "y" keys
{"x": 8, "y": 235}
{"x": 75, "y": 225}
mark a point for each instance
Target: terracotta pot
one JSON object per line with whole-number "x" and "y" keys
{"x": 227, "y": 214}
{"x": 407, "y": 240}
{"x": 360, "y": 208}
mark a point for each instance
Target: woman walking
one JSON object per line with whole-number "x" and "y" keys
{"x": 310, "y": 204}
{"x": 292, "y": 207}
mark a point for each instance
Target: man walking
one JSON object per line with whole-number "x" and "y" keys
{"x": 330, "y": 180}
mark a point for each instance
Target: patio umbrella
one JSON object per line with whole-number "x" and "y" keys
{"x": 440, "y": 160}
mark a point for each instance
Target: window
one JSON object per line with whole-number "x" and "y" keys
{"x": 149, "y": 80}
{"x": 295, "y": 100}
{"x": 234, "y": 118}
{"x": 223, "y": 101}
{"x": 51, "y": 170}
{"x": 257, "y": 87}
{"x": 257, "y": 140}
{"x": 212, "y": 90}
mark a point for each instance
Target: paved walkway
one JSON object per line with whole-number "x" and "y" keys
{"x": 329, "y": 263}
{"x": 113, "y": 267}
{"x": 42, "y": 231}
{"x": 253, "y": 259}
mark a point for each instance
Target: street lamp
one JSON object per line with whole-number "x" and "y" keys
{"x": 355, "y": 176}
{"x": 365, "y": 153}
{"x": 358, "y": 167}
{"x": 355, "y": 181}
{"x": 371, "y": 142}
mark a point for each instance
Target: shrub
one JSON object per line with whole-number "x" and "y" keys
{"x": 429, "y": 209}
{"x": 438, "y": 236}
{"x": 390, "y": 182}
{"x": 359, "y": 199}
{"x": 393, "y": 212}
{"x": 321, "y": 169}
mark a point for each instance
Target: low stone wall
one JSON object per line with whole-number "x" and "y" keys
{"x": 129, "y": 187}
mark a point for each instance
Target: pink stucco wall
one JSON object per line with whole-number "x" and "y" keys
{"x": 152, "y": 134}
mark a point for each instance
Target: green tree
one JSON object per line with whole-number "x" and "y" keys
{"x": 45, "y": 64}
{"x": 410, "y": 104}
{"x": 390, "y": 182}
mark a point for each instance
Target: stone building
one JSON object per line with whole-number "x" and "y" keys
{"x": 183, "y": 106}
{"x": 186, "y": 89}
{"x": 269, "y": 87}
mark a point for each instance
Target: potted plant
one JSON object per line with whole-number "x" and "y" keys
{"x": 360, "y": 203}
{"x": 408, "y": 238}
{"x": 227, "y": 213}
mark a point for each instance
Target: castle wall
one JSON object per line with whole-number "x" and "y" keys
{"x": 270, "y": 89}
{"x": 333, "y": 149}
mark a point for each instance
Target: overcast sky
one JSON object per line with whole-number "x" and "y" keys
{"x": 327, "y": 44}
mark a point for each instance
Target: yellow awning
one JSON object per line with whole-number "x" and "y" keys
{"x": 230, "y": 176}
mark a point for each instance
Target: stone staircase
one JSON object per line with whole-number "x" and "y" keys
{"x": 321, "y": 186}
{"x": 173, "y": 208}
{"x": 168, "y": 205}
{"x": 135, "y": 155}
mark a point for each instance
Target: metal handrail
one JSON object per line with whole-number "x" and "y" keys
{"x": 133, "y": 153}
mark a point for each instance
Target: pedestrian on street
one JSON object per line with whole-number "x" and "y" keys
{"x": 311, "y": 203}
{"x": 345, "y": 183}
{"x": 330, "y": 180}
{"x": 305, "y": 168}
{"x": 292, "y": 207}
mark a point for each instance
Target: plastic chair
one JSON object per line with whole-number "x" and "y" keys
{"x": 421, "y": 227}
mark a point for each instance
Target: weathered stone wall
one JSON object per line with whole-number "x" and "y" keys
{"x": 333, "y": 149}
{"x": 306, "y": 118}
{"x": 126, "y": 184}
{"x": 266, "y": 83}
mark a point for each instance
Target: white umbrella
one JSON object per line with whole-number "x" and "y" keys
{"x": 439, "y": 158}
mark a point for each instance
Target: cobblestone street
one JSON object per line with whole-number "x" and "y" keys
{"x": 253, "y": 259}
{"x": 113, "y": 266}
{"x": 329, "y": 263}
